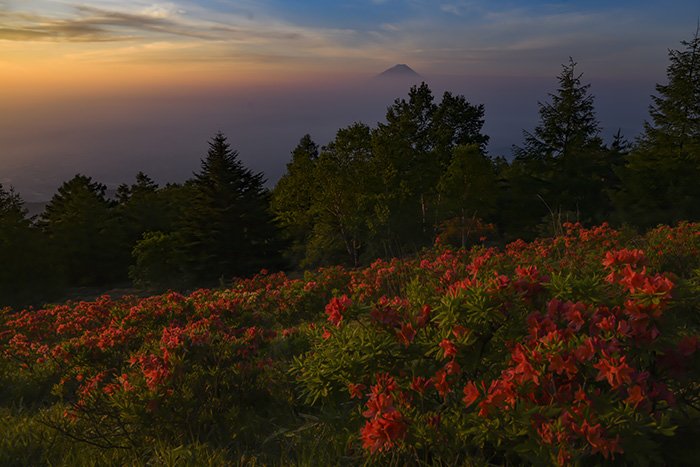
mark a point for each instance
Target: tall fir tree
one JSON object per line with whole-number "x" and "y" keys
{"x": 561, "y": 167}
{"x": 660, "y": 179}
{"x": 227, "y": 228}
{"x": 24, "y": 271}
{"x": 568, "y": 122}
{"x": 82, "y": 233}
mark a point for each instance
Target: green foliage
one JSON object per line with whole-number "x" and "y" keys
{"x": 342, "y": 200}
{"x": 411, "y": 152}
{"x": 467, "y": 189}
{"x": 26, "y": 274}
{"x": 293, "y": 197}
{"x": 660, "y": 177}
{"x": 580, "y": 349}
{"x": 159, "y": 262}
{"x": 82, "y": 232}
{"x": 226, "y": 226}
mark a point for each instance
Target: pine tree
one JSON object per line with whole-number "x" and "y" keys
{"x": 675, "y": 111}
{"x": 227, "y": 227}
{"x": 660, "y": 180}
{"x": 568, "y": 123}
{"x": 562, "y": 165}
{"x": 14, "y": 230}
{"x": 77, "y": 221}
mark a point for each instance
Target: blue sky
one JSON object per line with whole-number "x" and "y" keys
{"x": 455, "y": 36}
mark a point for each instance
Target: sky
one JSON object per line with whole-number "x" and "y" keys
{"x": 108, "y": 88}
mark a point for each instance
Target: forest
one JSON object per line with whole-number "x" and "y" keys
{"x": 372, "y": 192}
{"x": 400, "y": 297}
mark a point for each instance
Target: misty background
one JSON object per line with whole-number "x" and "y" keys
{"x": 111, "y": 135}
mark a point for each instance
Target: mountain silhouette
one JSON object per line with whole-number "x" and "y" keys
{"x": 399, "y": 71}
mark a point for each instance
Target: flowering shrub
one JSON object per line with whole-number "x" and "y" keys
{"x": 578, "y": 349}
{"x": 558, "y": 351}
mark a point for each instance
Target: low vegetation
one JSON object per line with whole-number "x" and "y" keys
{"x": 580, "y": 348}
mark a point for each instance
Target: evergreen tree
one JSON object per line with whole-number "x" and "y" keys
{"x": 660, "y": 180}
{"x": 23, "y": 272}
{"x": 561, "y": 167}
{"x": 82, "y": 237}
{"x": 143, "y": 207}
{"x": 227, "y": 227}
{"x": 567, "y": 124}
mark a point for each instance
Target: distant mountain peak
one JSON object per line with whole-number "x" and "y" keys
{"x": 400, "y": 70}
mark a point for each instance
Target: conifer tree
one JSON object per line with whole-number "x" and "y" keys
{"x": 568, "y": 123}
{"x": 77, "y": 221}
{"x": 562, "y": 164}
{"x": 660, "y": 180}
{"x": 227, "y": 228}
{"x": 18, "y": 264}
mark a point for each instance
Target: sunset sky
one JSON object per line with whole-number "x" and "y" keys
{"x": 113, "y": 87}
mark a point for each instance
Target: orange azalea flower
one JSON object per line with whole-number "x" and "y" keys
{"x": 449, "y": 349}
{"x": 616, "y": 371}
{"x": 382, "y": 433}
{"x": 471, "y": 393}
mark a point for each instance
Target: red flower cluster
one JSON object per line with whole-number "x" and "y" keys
{"x": 335, "y": 309}
{"x": 385, "y": 426}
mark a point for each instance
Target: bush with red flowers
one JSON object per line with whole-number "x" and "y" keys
{"x": 579, "y": 349}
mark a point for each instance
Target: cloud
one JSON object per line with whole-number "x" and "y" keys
{"x": 450, "y": 36}
{"x": 450, "y": 8}
{"x": 92, "y": 24}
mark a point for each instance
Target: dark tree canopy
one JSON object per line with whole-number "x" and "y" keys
{"x": 227, "y": 227}
{"x": 81, "y": 232}
{"x": 410, "y": 152}
{"x": 568, "y": 123}
{"x": 293, "y": 198}
{"x": 563, "y": 168}
{"x": 661, "y": 176}
{"x": 19, "y": 250}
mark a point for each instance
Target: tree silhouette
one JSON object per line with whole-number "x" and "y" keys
{"x": 227, "y": 227}
{"x": 293, "y": 198}
{"x": 77, "y": 221}
{"x": 660, "y": 180}
{"x": 562, "y": 167}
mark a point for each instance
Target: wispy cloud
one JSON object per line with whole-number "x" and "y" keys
{"x": 449, "y": 35}
{"x": 92, "y": 24}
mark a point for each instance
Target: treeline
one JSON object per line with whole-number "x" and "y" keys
{"x": 213, "y": 227}
{"x": 423, "y": 174}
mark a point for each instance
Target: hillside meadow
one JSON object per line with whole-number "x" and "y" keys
{"x": 581, "y": 349}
